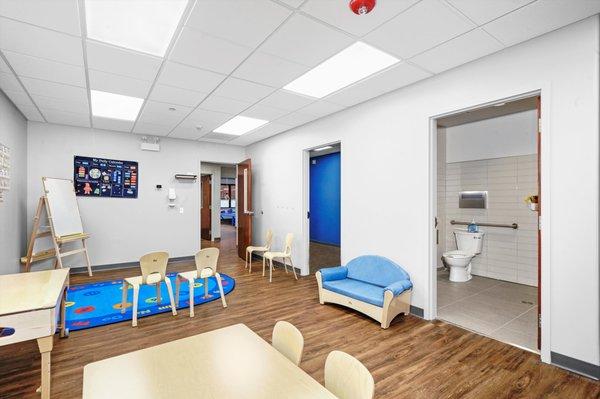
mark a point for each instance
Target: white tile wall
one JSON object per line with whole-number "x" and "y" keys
{"x": 508, "y": 254}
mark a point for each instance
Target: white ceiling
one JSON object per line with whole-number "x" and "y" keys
{"x": 232, "y": 57}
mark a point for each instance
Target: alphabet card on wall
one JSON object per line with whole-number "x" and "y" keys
{"x": 100, "y": 177}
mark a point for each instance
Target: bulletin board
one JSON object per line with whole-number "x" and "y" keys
{"x": 100, "y": 177}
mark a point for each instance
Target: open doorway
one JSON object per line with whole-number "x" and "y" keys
{"x": 487, "y": 225}
{"x": 324, "y": 214}
{"x": 218, "y": 205}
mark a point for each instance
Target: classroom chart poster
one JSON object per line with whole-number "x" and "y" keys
{"x": 100, "y": 177}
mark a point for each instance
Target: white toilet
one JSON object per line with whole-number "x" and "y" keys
{"x": 459, "y": 261}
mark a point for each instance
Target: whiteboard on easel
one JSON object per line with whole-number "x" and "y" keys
{"x": 62, "y": 206}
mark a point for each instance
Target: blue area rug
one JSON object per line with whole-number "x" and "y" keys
{"x": 97, "y": 304}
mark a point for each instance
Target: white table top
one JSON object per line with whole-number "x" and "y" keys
{"x": 24, "y": 292}
{"x": 231, "y": 362}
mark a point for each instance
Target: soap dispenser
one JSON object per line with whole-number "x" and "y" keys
{"x": 472, "y": 227}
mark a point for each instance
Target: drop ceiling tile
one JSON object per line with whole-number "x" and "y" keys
{"x": 264, "y": 112}
{"x": 8, "y": 82}
{"x": 465, "y": 48}
{"x": 107, "y": 58}
{"x": 269, "y": 70}
{"x": 31, "y": 113}
{"x": 151, "y": 128}
{"x": 224, "y": 104}
{"x": 482, "y": 12}
{"x": 200, "y": 50}
{"x": 189, "y": 78}
{"x": 160, "y": 113}
{"x": 538, "y": 18}
{"x": 38, "y": 42}
{"x": 207, "y": 120}
{"x": 321, "y": 108}
{"x": 293, "y": 3}
{"x": 52, "y": 103}
{"x": 286, "y": 101}
{"x": 188, "y": 130}
{"x": 243, "y": 90}
{"x": 60, "y": 15}
{"x": 39, "y": 68}
{"x": 175, "y": 95}
{"x": 267, "y": 131}
{"x": 400, "y": 75}
{"x": 118, "y": 84}
{"x": 408, "y": 34}
{"x": 338, "y": 13}
{"x": 305, "y": 41}
{"x": 112, "y": 124}
{"x": 244, "y": 22}
{"x": 4, "y": 66}
{"x": 56, "y": 90}
{"x": 295, "y": 119}
{"x": 66, "y": 118}
{"x": 19, "y": 98}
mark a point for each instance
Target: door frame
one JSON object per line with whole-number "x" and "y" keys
{"x": 305, "y": 222}
{"x": 544, "y": 92}
{"x": 212, "y": 178}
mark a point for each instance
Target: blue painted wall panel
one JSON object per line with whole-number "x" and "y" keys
{"x": 325, "y": 199}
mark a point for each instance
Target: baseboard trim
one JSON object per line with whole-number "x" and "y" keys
{"x": 575, "y": 365}
{"x": 416, "y": 311}
{"x": 124, "y": 265}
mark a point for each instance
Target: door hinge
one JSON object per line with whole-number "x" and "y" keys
{"x": 540, "y": 320}
{"x": 308, "y": 215}
{"x": 539, "y": 125}
{"x": 539, "y": 223}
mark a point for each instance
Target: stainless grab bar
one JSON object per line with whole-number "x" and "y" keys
{"x": 510, "y": 226}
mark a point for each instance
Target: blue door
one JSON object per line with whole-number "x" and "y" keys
{"x": 325, "y": 199}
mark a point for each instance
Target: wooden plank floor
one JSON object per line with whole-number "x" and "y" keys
{"x": 412, "y": 359}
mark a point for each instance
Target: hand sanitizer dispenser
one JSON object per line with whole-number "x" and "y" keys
{"x": 172, "y": 197}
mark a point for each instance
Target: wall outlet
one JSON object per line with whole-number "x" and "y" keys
{"x": 180, "y": 210}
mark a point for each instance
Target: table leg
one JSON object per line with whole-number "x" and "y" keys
{"x": 45, "y": 346}
{"x": 63, "y": 315}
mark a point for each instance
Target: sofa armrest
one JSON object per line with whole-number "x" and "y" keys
{"x": 334, "y": 273}
{"x": 399, "y": 287}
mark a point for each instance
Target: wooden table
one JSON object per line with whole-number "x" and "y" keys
{"x": 231, "y": 362}
{"x": 31, "y": 304}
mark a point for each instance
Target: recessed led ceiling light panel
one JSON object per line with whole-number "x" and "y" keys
{"x": 142, "y": 25}
{"x": 115, "y": 106}
{"x": 350, "y": 65}
{"x": 240, "y": 125}
{"x": 323, "y": 148}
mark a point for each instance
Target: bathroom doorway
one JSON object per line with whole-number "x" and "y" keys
{"x": 324, "y": 213}
{"x": 487, "y": 232}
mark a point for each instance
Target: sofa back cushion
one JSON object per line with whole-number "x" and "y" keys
{"x": 375, "y": 270}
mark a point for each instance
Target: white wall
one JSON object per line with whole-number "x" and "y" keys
{"x": 387, "y": 151}
{"x": 13, "y": 214}
{"x": 505, "y": 136}
{"x": 124, "y": 229}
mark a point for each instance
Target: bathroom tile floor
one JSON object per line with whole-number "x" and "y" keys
{"x": 498, "y": 309}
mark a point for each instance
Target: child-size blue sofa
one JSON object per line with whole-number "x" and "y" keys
{"x": 373, "y": 285}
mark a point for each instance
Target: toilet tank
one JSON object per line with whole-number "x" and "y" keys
{"x": 469, "y": 242}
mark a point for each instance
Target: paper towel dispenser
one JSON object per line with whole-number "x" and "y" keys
{"x": 472, "y": 199}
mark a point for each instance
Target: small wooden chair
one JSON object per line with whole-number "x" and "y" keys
{"x": 288, "y": 340}
{"x": 285, "y": 255}
{"x": 347, "y": 378}
{"x": 206, "y": 266}
{"x": 264, "y": 248}
{"x": 154, "y": 269}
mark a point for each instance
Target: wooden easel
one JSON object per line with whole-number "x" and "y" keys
{"x": 57, "y": 241}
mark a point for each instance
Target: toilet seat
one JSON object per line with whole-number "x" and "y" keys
{"x": 457, "y": 254}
